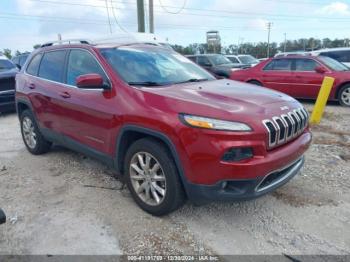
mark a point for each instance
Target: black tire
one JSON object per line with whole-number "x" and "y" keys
{"x": 344, "y": 96}
{"x": 174, "y": 194}
{"x": 255, "y": 82}
{"x": 42, "y": 145}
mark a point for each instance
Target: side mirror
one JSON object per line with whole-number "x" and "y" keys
{"x": 320, "y": 70}
{"x": 91, "y": 81}
{"x": 2, "y": 217}
{"x": 18, "y": 66}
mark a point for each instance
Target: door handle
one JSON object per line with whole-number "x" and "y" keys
{"x": 31, "y": 86}
{"x": 65, "y": 94}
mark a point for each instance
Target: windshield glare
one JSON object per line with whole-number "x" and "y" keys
{"x": 219, "y": 60}
{"x": 333, "y": 64}
{"x": 159, "y": 66}
{"x": 248, "y": 59}
{"x": 6, "y": 64}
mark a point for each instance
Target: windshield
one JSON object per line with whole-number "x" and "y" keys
{"x": 6, "y": 64}
{"x": 248, "y": 59}
{"x": 153, "y": 66}
{"x": 333, "y": 64}
{"x": 219, "y": 60}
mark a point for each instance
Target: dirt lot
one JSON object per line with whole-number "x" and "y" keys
{"x": 65, "y": 203}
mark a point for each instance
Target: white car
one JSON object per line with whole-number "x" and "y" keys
{"x": 341, "y": 54}
{"x": 247, "y": 60}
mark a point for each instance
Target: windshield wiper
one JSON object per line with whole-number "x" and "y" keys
{"x": 145, "y": 83}
{"x": 192, "y": 80}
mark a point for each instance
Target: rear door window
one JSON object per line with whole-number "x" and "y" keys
{"x": 279, "y": 65}
{"x": 33, "y": 66}
{"x": 52, "y": 65}
{"x": 305, "y": 65}
{"x": 82, "y": 62}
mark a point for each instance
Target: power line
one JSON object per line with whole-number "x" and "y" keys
{"x": 168, "y": 26}
{"x": 170, "y": 12}
{"x": 109, "y": 20}
{"x": 210, "y": 11}
{"x": 116, "y": 19}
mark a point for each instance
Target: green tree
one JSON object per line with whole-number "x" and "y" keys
{"x": 7, "y": 53}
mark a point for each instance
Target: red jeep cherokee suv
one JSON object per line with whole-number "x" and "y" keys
{"x": 170, "y": 128}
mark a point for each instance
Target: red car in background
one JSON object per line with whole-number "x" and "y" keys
{"x": 299, "y": 76}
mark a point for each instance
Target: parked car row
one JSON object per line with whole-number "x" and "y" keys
{"x": 299, "y": 76}
{"x": 20, "y": 60}
{"x": 8, "y": 72}
{"x": 220, "y": 65}
{"x": 171, "y": 129}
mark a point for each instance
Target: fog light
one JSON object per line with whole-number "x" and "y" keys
{"x": 237, "y": 154}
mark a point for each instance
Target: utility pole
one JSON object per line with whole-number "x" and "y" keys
{"x": 285, "y": 42}
{"x": 141, "y": 16}
{"x": 269, "y": 25}
{"x": 59, "y": 37}
{"x": 151, "y": 16}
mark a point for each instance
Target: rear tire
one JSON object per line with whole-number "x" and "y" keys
{"x": 152, "y": 178}
{"x": 32, "y": 138}
{"x": 344, "y": 95}
{"x": 255, "y": 82}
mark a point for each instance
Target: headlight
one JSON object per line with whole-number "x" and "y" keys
{"x": 215, "y": 124}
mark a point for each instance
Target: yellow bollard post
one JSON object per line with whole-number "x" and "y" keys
{"x": 322, "y": 99}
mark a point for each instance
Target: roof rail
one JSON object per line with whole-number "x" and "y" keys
{"x": 67, "y": 41}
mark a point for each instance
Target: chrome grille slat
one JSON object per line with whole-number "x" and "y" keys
{"x": 285, "y": 127}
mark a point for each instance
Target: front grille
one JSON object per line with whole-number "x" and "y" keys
{"x": 285, "y": 127}
{"x": 7, "y": 84}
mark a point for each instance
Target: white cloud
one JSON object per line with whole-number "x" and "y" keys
{"x": 335, "y": 8}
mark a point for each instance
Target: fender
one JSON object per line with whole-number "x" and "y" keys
{"x": 23, "y": 100}
{"x": 153, "y": 133}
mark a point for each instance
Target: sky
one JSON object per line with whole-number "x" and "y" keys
{"x": 24, "y": 23}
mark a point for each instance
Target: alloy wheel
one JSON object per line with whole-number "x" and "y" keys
{"x": 29, "y": 133}
{"x": 345, "y": 96}
{"x": 147, "y": 178}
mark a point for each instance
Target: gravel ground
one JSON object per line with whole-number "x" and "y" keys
{"x": 65, "y": 203}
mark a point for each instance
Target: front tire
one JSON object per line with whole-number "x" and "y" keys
{"x": 152, "y": 177}
{"x": 344, "y": 95}
{"x": 32, "y": 138}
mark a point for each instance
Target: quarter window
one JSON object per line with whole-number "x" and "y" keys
{"x": 279, "y": 65}
{"x": 203, "y": 61}
{"x": 52, "y": 65}
{"x": 81, "y": 62}
{"x": 33, "y": 66}
{"x": 305, "y": 65}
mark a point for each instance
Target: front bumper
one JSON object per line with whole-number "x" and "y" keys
{"x": 230, "y": 190}
{"x": 7, "y": 100}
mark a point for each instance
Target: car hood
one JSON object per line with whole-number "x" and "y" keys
{"x": 217, "y": 97}
{"x": 8, "y": 73}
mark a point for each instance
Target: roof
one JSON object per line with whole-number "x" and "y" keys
{"x": 113, "y": 41}
{"x": 295, "y": 56}
{"x": 331, "y": 49}
{"x": 203, "y": 55}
